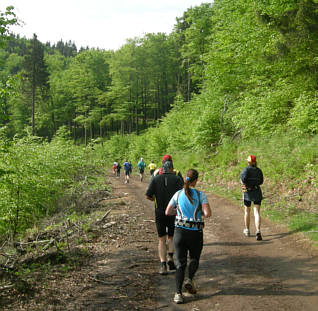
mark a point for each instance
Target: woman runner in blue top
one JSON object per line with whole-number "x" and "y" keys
{"x": 190, "y": 207}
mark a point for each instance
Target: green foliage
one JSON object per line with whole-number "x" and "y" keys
{"x": 304, "y": 115}
{"x": 7, "y": 19}
{"x": 117, "y": 147}
{"x": 34, "y": 175}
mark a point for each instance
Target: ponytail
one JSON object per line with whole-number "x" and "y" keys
{"x": 191, "y": 176}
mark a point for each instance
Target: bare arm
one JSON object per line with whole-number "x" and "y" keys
{"x": 171, "y": 210}
{"x": 206, "y": 209}
{"x": 149, "y": 198}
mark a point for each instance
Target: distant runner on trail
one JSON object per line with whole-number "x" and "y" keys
{"x": 127, "y": 169}
{"x": 118, "y": 167}
{"x": 152, "y": 167}
{"x": 251, "y": 179}
{"x": 160, "y": 190}
{"x": 130, "y": 170}
{"x": 190, "y": 206}
{"x": 115, "y": 167}
{"x": 141, "y": 166}
{"x": 159, "y": 171}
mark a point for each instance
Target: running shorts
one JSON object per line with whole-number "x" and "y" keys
{"x": 249, "y": 203}
{"x": 164, "y": 224}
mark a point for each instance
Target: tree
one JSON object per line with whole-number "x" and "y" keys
{"x": 7, "y": 19}
{"x": 36, "y": 73}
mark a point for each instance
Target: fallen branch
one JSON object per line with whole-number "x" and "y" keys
{"x": 33, "y": 242}
{"x": 103, "y": 282}
{"x": 48, "y": 245}
{"x": 10, "y": 262}
{"x": 104, "y": 217}
{"x": 3, "y": 245}
{"x": 7, "y": 255}
{"x": 143, "y": 241}
{"x": 6, "y": 287}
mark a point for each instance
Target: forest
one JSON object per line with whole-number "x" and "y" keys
{"x": 232, "y": 78}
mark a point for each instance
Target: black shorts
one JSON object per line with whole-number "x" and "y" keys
{"x": 141, "y": 171}
{"x": 127, "y": 173}
{"x": 249, "y": 203}
{"x": 164, "y": 224}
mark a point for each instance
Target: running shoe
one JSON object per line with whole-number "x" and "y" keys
{"x": 163, "y": 269}
{"x": 258, "y": 236}
{"x": 246, "y": 232}
{"x": 178, "y": 298}
{"x": 189, "y": 286}
{"x": 171, "y": 265}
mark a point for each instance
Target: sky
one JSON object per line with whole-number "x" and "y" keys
{"x": 104, "y": 24}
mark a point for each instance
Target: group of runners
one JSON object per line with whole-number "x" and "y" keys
{"x": 180, "y": 210}
{"x": 141, "y": 165}
{"x": 127, "y": 170}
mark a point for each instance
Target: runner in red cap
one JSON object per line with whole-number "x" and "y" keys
{"x": 251, "y": 179}
{"x": 160, "y": 190}
{"x": 165, "y": 158}
{"x": 251, "y": 159}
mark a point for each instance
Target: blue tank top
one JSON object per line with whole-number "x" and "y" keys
{"x": 189, "y": 211}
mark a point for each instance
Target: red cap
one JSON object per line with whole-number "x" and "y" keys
{"x": 166, "y": 157}
{"x": 251, "y": 159}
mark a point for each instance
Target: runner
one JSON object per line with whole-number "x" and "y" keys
{"x": 190, "y": 206}
{"x": 152, "y": 167}
{"x": 251, "y": 179}
{"x": 115, "y": 167}
{"x": 118, "y": 168}
{"x": 159, "y": 171}
{"x": 141, "y": 166}
{"x": 160, "y": 190}
{"x": 127, "y": 171}
{"x": 130, "y": 168}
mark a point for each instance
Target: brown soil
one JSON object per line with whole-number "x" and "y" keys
{"x": 235, "y": 273}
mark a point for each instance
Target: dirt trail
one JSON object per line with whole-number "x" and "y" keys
{"x": 236, "y": 273}
{"x": 239, "y": 273}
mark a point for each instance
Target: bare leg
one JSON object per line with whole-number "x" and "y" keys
{"x": 162, "y": 248}
{"x": 257, "y": 216}
{"x": 170, "y": 246}
{"x": 247, "y": 217}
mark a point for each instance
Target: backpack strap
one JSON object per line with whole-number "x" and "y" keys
{"x": 177, "y": 206}
{"x": 199, "y": 207}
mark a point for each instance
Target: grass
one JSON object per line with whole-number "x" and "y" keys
{"x": 288, "y": 160}
{"x": 307, "y": 223}
{"x": 290, "y": 166}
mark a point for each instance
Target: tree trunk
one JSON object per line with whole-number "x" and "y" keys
{"x": 137, "y": 121}
{"x": 33, "y": 107}
{"x": 189, "y": 84}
